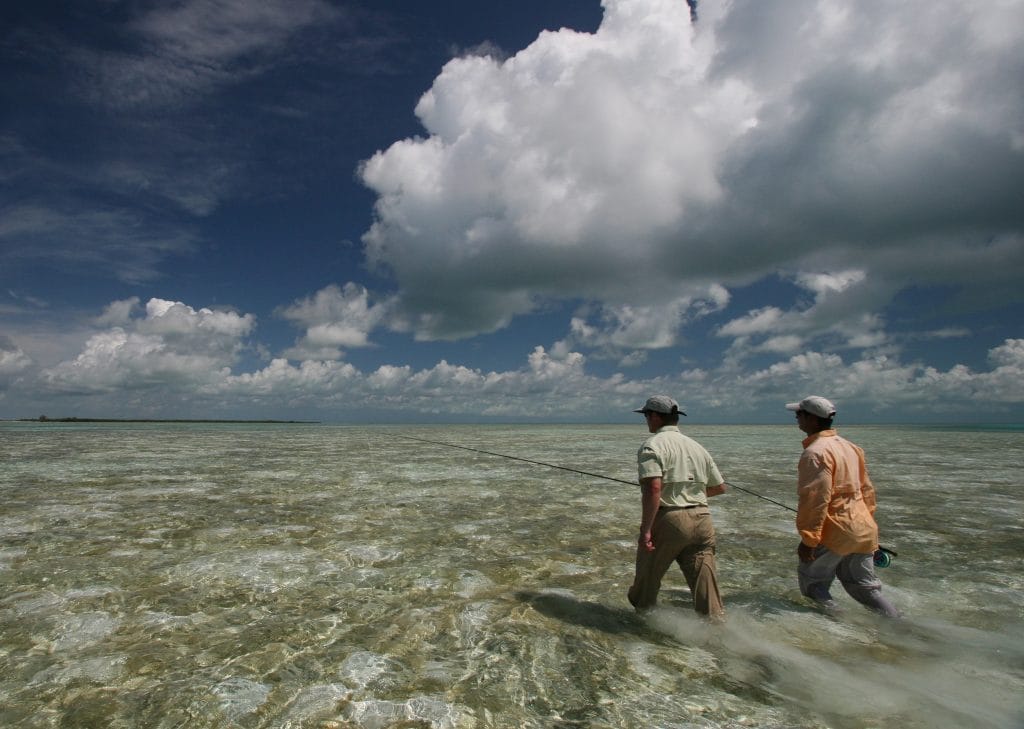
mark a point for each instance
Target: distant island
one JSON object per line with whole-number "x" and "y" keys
{"x": 44, "y": 419}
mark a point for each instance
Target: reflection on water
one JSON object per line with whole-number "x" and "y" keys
{"x": 317, "y": 576}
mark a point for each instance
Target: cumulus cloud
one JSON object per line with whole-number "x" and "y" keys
{"x": 334, "y": 317}
{"x": 556, "y": 172}
{"x": 625, "y": 330}
{"x": 762, "y": 138}
{"x": 542, "y": 388}
{"x": 118, "y": 313}
{"x": 559, "y": 386}
{"x": 13, "y": 362}
{"x": 309, "y": 382}
{"x": 167, "y": 358}
{"x": 838, "y": 315}
{"x": 884, "y": 385}
{"x": 172, "y": 347}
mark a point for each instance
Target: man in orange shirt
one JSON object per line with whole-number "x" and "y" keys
{"x": 835, "y": 515}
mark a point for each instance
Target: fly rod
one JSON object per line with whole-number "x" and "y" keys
{"x": 574, "y": 470}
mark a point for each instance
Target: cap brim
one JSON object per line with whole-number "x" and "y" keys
{"x": 640, "y": 410}
{"x": 792, "y": 406}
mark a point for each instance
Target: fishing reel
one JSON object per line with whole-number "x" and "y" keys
{"x": 883, "y": 557}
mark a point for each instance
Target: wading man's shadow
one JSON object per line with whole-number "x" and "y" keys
{"x": 568, "y": 609}
{"x": 757, "y": 670}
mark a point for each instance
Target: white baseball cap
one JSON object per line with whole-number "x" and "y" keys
{"x": 815, "y": 405}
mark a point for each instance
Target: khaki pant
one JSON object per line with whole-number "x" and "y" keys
{"x": 687, "y": 537}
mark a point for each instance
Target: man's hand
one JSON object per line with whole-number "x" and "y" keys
{"x": 715, "y": 490}
{"x": 646, "y": 541}
{"x": 805, "y": 553}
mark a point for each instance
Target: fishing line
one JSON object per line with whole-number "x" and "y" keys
{"x": 881, "y": 558}
{"x": 517, "y": 458}
{"x": 574, "y": 470}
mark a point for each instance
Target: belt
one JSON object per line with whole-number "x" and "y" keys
{"x": 677, "y": 508}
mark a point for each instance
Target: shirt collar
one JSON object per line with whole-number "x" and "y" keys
{"x": 830, "y": 433}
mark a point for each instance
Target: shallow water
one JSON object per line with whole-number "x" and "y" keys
{"x": 203, "y": 575}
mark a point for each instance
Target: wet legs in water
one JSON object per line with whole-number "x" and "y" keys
{"x": 856, "y": 573}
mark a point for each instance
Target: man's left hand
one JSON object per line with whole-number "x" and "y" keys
{"x": 805, "y": 553}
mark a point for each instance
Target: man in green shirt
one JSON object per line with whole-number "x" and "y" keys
{"x": 676, "y": 478}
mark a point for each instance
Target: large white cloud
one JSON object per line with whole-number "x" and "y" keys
{"x": 805, "y": 136}
{"x": 552, "y": 173}
{"x": 172, "y": 347}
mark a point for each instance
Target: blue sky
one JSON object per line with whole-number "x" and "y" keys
{"x": 543, "y": 210}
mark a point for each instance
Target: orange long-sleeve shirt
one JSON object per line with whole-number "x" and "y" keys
{"x": 836, "y": 497}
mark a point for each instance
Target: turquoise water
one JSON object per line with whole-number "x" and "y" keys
{"x": 202, "y": 575}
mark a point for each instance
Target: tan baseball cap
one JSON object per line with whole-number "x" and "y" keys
{"x": 660, "y": 404}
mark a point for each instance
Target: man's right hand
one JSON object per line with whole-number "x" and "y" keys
{"x": 646, "y": 541}
{"x": 718, "y": 490}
